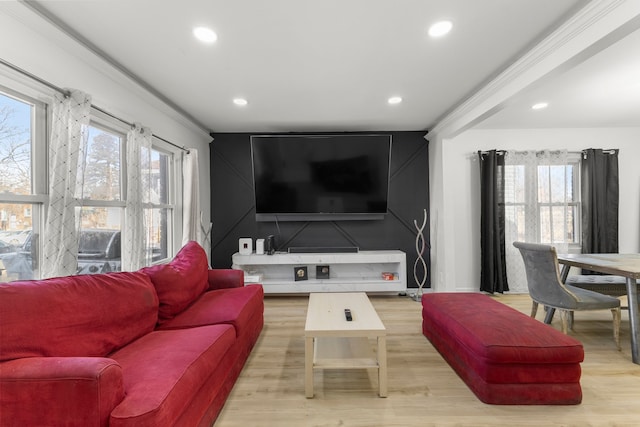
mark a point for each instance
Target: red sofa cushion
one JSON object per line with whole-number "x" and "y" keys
{"x": 233, "y": 306}
{"x": 87, "y": 315}
{"x": 164, "y": 370}
{"x": 180, "y": 282}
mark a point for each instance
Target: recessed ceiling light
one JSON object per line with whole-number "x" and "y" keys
{"x": 440, "y": 28}
{"x": 539, "y": 106}
{"x": 205, "y": 34}
{"x": 394, "y": 100}
{"x": 240, "y": 101}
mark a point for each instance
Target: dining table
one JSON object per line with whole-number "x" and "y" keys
{"x": 625, "y": 265}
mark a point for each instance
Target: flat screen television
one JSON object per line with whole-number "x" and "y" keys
{"x": 321, "y": 177}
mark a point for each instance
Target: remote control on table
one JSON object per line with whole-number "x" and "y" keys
{"x": 347, "y": 314}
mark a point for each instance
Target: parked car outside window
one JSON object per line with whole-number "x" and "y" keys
{"x": 99, "y": 251}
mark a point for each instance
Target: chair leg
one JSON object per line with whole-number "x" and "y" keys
{"x": 534, "y": 309}
{"x": 549, "y": 316}
{"x": 564, "y": 314}
{"x": 571, "y": 313}
{"x": 616, "y": 326}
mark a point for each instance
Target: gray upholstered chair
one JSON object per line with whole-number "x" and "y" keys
{"x": 546, "y": 288}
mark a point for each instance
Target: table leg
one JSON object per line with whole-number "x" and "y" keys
{"x": 308, "y": 367}
{"x": 564, "y": 272}
{"x": 382, "y": 366}
{"x": 632, "y": 296}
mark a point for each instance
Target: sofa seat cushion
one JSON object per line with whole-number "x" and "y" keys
{"x": 233, "y": 306}
{"x": 164, "y": 370}
{"x": 181, "y": 281}
{"x": 87, "y": 315}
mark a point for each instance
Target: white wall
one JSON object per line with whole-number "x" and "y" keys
{"x": 34, "y": 45}
{"x": 456, "y": 205}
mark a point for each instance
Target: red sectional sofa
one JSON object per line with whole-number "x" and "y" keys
{"x": 162, "y": 346}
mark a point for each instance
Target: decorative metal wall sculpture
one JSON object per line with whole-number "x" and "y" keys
{"x": 420, "y": 246}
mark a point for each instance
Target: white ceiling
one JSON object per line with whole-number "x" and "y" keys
{"x": 331, "y": 65}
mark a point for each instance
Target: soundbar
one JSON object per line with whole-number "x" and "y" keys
{"x": 322, "y": 249}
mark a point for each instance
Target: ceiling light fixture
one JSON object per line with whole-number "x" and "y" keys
{"x": 440, "y": 28}
{"x": 240, "y": 102}
{"x": 205, "y": 34}
{"x": 539, "y": 106}
{"x": 394, "y": 100}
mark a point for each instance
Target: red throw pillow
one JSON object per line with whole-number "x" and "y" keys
{"x": 180, "y": 282}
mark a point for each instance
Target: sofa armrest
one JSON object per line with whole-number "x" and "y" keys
{"x": 222, "y": 278}
{"x": 70, "y": 391}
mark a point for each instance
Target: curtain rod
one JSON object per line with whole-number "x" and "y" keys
{"x": 503, "y": 152}
{"x": 605, "y": 151}
{"x": 498, "y": 152}
{"x": 67, "y": 93}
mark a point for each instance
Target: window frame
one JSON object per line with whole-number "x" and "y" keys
{"x": 39, "y": 197}
{"x": 532, "y": 206}
{"x": 174, "y": 194}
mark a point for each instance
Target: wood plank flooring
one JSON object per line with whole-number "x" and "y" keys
{"x": 423, "y": 389}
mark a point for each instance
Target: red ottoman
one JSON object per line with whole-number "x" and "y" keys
{"x": 504, "y": 356}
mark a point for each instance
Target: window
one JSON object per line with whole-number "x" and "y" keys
{"x": 22, "y": 192}
{"x": 542, "y": 202}
{"x": 542, "y": 205}
{"x": 158, "y": 204}
{"x": 99, "y": 194}
{"x": 100, "y": 191}
{"x": 103, "y": 194}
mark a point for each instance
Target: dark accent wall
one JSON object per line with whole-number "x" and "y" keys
{"x": 233, "y": 208}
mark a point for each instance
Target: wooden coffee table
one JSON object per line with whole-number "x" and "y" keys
{"x": 332, "y": 342}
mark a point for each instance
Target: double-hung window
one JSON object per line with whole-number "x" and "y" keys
{"x": 159, "y": 203}
{"x": 100, "y": 193}
{"x": 542, "y": 205}
{"x": 542, "y": 201}
{"x": 104, "y": 193}
{"x": 22, "y": 183}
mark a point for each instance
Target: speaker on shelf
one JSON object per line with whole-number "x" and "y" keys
{"x": 245, "y": 246}
{"x": 270, "y": 245}
{"x": 322, "y": 249}
{"x": 259, "y": 246}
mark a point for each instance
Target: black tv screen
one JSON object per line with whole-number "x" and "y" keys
{"x": 320, "y": 177}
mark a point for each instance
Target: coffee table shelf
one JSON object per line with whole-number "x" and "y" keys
{"x": 332, "y": 342}
{"x": 344, "y": 353}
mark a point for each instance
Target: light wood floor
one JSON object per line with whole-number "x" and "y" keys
{"x": 423, "y": 389}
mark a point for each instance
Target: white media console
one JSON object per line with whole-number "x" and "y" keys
{"x": 348, "y": 272}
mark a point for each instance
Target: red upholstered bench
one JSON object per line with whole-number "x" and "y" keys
{"x": 504, "y": 356}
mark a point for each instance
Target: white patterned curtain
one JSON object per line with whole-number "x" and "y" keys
{"x": 191, "y": 198}
{"x": 537, "y": 190}
{"x": 69, "y": 136}
{"x": 134, "y": 243}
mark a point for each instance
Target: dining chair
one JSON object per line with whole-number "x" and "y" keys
{"x": 546, "y": 288}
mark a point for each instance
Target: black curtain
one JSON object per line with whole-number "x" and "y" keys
{"x": 493, "y": 274}
{"x": 600, "y": 200}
